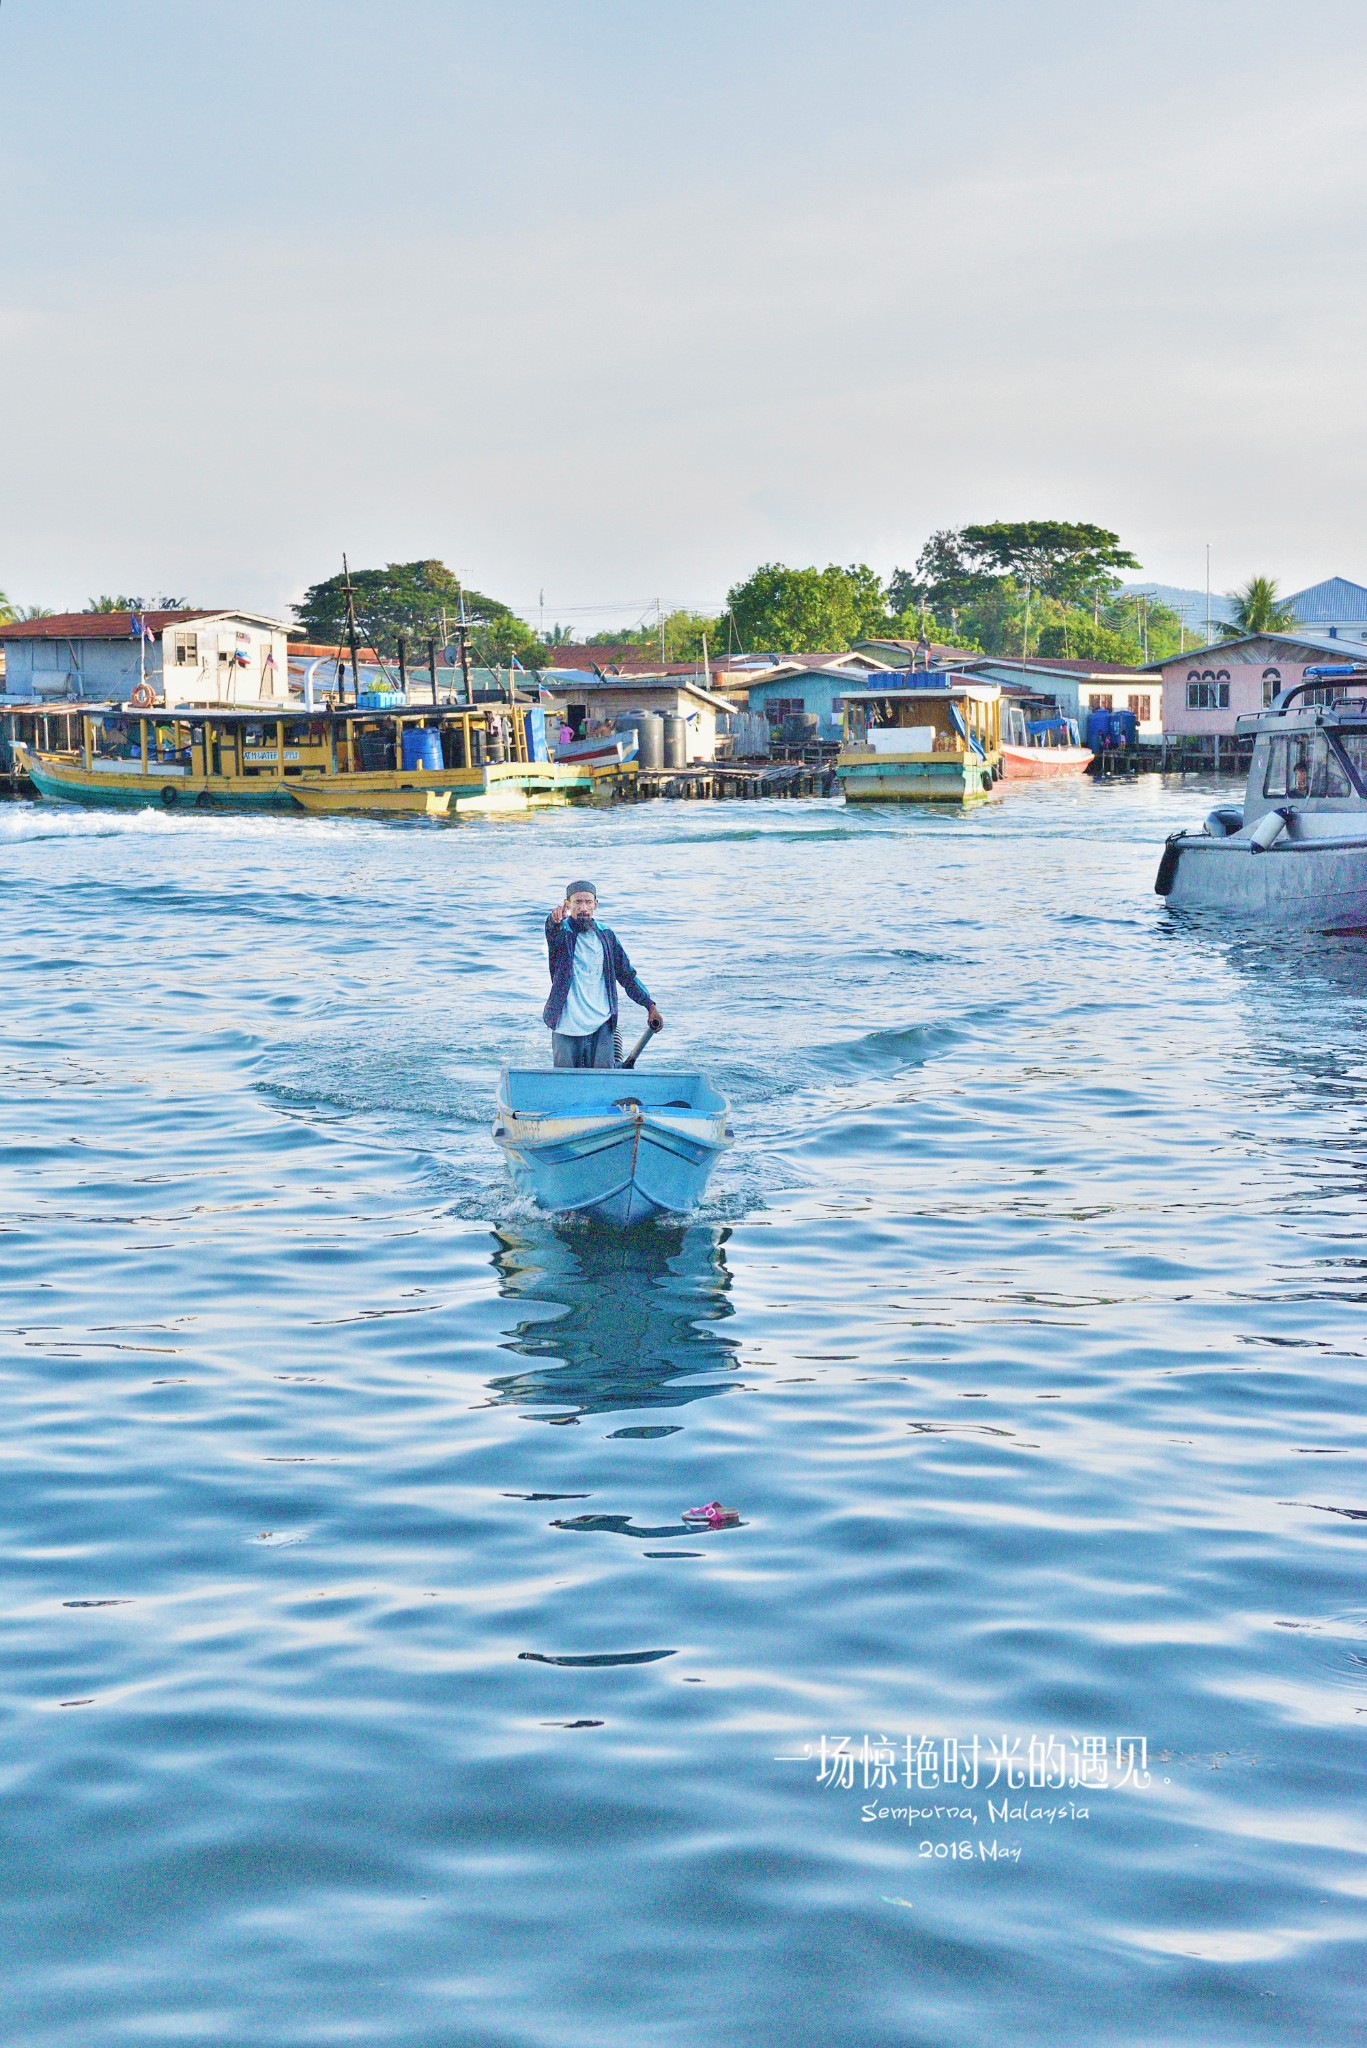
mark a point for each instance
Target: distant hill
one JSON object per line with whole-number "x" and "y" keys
{"x": 1190, "y": 605}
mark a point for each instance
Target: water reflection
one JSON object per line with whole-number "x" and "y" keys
{"x": 638, "y": 1317}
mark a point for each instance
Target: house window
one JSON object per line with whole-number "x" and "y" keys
{"x": 779, "y": 708}
{"x": 1105, "y": 702}
{"x": 1142, "y": 708}
{"x": 1208, "y": 689}
{"x": 187, "y": 650}
{"x": 1272, "y": 683}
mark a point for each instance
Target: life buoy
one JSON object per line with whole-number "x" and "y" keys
{"x": 170, "y": 796}
{"x": 143, "y": 697}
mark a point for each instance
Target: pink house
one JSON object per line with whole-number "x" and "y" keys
{"x": 1207, "y": 690}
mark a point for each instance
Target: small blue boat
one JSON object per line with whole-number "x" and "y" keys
{"x": 611, "y": 1141}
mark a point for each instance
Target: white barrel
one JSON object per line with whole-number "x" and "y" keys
{"x": 1267, "y": 832}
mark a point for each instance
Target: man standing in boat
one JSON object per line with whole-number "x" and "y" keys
{"x": 587, "y": 963}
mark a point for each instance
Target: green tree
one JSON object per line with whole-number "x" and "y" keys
{"x": 421, "y": 601}
{"x": 1258, "y": 608}
{"x": 943, "y": 580}
{"x": 791, "y": 611}
{"x": 6, "y": 608}
{"x": 1077, "y": 636}
{"x": 683, "y": 632}
{"x": 1050, "y": 556}
{"x": 1005, "y": 583}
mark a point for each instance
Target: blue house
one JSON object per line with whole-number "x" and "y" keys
{"x": 1335, "y": 609}
{"x": 810, "y": 685}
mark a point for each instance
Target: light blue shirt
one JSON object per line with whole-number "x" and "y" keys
{"x": 586, "y": 1005}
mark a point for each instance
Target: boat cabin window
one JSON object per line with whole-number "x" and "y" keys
{"x": 1302, "y": 764}
{"x": 115, "y": 738}
{"x": 1354, "y": 744}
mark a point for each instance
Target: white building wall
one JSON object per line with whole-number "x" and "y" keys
{"x": 225, "y": 660}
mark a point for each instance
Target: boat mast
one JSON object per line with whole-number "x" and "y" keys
{"x": 351, "y": 629}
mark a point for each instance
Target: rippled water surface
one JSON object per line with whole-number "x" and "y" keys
{"x": 362, "y": 1683}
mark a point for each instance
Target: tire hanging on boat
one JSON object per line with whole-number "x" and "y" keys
{"x": 170, "y": 797}
{"x": 1167, "y": 868}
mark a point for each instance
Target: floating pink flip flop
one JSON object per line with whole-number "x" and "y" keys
{"x": 714, "y": 1514}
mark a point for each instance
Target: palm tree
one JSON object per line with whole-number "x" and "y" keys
{"x": 1258, "y": 609}
{"x": 6, "y": 608}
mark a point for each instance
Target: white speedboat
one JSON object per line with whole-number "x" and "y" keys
{"x": 1296, "y": 852}
{"x": 609, "y": 1141}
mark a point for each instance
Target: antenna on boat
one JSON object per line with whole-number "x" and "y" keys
{"x": 351, "y": 628}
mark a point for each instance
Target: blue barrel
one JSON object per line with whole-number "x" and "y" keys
{"x": 1098, "y": 729}
{"x": 1124, "y": 728}
{"x": 421, "y": 747}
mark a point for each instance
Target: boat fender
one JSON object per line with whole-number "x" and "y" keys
{"x": 1224, "y": 821}
{"x": 1269, "y": 831}
{"x": 1167, "y": 866}
{"x": 170, "y": 796}
{"x": 986, "y": 779}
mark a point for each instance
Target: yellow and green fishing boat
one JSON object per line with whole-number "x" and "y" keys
{"x": 937, "y": 744}
{"x": 436, "y": 760}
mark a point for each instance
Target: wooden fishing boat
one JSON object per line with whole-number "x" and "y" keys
{"x": 937, "y": 744}
{"x": 610, "y": 1141}
{"x": 336, "y": 759}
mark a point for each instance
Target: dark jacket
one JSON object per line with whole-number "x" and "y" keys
{"x": 560, "y": 940}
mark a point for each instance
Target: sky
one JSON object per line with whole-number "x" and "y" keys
{"x": 613, "y": 300}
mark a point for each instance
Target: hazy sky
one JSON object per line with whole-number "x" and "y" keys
{"x": 618, "y": 300}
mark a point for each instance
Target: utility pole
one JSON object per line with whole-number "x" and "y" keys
{"x": 1207, "y": 593}
{"x": 541, "y": 619}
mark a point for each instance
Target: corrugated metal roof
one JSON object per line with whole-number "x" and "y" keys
{"x": 117, "y": 625}
{"x": 1335, "y": 602}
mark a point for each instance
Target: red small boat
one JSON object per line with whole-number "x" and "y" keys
{"x": 1018, "y": 763}
{"x": 1043, "y": 744}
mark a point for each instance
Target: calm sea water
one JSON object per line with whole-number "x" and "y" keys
{"x": 362, "y": 1683}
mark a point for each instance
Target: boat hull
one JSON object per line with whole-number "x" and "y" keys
{"x": 869, "y": 778}
{"x": 381, "y": 792}
{"x": 161, "y": 787}
{"x": 1021, "y": 764}
{"x": 624, "y": 1160}
{"x": 1316, "y": 884}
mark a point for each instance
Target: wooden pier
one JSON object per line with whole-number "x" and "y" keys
{"x": 716, "y": 780}
{"x": 1177, "y": 754}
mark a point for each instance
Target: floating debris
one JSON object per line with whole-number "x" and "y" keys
{"x": 583, "y": 1663}
{"x": 714, "y": 1514}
